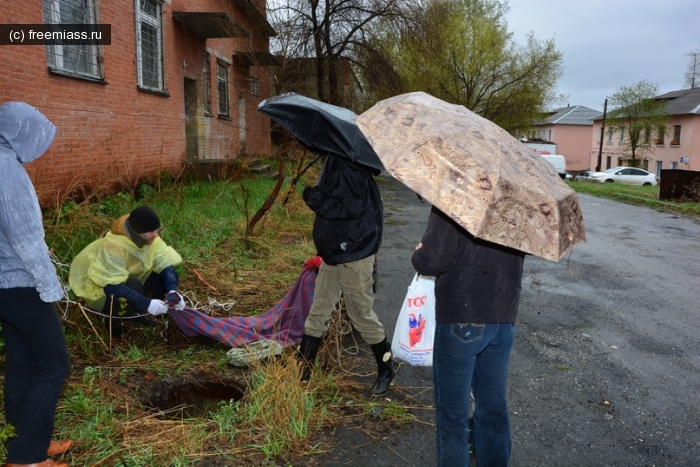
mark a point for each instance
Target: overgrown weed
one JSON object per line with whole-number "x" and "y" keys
{"x": 102, "y": 405}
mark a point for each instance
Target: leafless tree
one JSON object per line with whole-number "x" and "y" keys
{"x": 330, "y": 33}
{"x": 692, "y": 77}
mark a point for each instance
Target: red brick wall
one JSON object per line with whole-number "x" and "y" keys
{"x": 111, "y": 132}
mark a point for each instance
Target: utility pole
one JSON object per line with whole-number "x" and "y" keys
{"x": 602, "y": 135}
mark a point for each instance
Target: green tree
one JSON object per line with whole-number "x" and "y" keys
{"x": 637, "y": 113}
{"x": 461, "y": 52}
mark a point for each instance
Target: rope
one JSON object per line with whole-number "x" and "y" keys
{"x": 339, "y": 327}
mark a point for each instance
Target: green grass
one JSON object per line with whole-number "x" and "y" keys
{"x": 102, "y": 404}
{"x": 637, "y": 195}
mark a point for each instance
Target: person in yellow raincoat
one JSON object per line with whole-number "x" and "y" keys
{"x": 129, "y": 272}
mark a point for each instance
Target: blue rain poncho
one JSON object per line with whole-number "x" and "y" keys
{"x": 25, "y": 135}
{"x": 113, "y": 259}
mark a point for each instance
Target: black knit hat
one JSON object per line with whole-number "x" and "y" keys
{"x": 143, "y": 219}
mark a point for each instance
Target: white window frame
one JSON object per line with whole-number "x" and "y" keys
{"x": 157, "y": 83}
{"x": 61, "y": 58}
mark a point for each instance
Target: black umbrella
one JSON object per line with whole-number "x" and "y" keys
{"x": 322, "y": 128}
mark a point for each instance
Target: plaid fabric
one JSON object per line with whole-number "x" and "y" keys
{"x": 283, "y": 323}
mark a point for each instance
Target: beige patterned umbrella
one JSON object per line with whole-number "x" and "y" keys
{"x": 471, "y": 169}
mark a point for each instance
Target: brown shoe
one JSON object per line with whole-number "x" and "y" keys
{"x": 59, "y": 447}
{"x": 46, "y": 463}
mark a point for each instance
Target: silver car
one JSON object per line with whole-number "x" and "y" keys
{"x": 626, "y": 175}
{"x": 583, "y": 176}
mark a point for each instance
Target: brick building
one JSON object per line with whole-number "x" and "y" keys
{"x": 180, "y": 81}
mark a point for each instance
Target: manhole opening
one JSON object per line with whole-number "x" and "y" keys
{"x": 192, "y": 399}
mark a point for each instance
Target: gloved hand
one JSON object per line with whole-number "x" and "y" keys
{"x": 157, "y": 307}
{"x": 175, "y": 300}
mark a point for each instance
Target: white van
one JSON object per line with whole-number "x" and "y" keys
{"x": 558, "y": 162}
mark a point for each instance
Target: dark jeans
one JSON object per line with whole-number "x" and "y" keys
{"x": 465, "y": 356}
{"x": 37, "y": 365}
{"x": 152, "y": 288}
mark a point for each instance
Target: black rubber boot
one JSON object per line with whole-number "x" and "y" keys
{"x": 385, "y": 370}
{"x": 307, "y": 355}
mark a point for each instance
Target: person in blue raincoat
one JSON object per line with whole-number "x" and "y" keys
{"x": 37, "y": 361}
{"x": 129, "y": 272}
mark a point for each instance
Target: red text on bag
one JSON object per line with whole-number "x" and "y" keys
{"x": 417, "y": 301}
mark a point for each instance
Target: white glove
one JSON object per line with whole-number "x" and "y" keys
{"x": 157, "y": 307}
{"x": 175, "y": 300}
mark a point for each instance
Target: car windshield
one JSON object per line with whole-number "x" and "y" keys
{"x": 612, "y": 170}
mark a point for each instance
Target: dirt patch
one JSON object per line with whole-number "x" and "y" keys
{"x": 177, "y": 398}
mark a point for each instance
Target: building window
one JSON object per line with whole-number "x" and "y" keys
{"x": 611, "y": 132}
{"x": 78, "y": 60}
{"x": 674, "y": 165}
{"x": 647, "y": 135}
{"x": 254, "y": 87}
{"x": 622, "y": 135}
{"x": 149, "y": 44}
{"x": 676, "y": 135}
{"x": 660, "y": 134}
{"x": 222, "y": 87}
{"x": 206, "y": 82}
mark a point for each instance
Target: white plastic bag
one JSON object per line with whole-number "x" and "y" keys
{"x": 415, "y": 326}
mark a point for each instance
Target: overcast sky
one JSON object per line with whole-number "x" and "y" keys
{"x": 607, "y": 44}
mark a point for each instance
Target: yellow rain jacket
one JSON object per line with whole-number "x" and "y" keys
{"x": 113, "y": 259}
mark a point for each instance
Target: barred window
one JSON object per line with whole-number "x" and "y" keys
{"x": 206, "y": 82}
{"x": 222, "y": 87}
{"x": 78, "y": 60}
{"x": 149, "y": 44}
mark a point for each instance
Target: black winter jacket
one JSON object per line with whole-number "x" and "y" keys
{"x": 349, "y": 212}
{"x": 476, "y": 281}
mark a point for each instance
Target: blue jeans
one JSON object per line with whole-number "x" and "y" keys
{"x": 37, "y": 365}
{"x": 472, "y": 356}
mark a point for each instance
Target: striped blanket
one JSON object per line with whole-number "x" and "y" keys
{"x": 283, "y": 323}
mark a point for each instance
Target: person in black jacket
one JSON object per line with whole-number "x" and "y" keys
{"x": 477, "y": 293}
{"x": 347, "y": 233}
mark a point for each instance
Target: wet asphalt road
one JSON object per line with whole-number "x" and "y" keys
{"x": 606, "y": 366}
